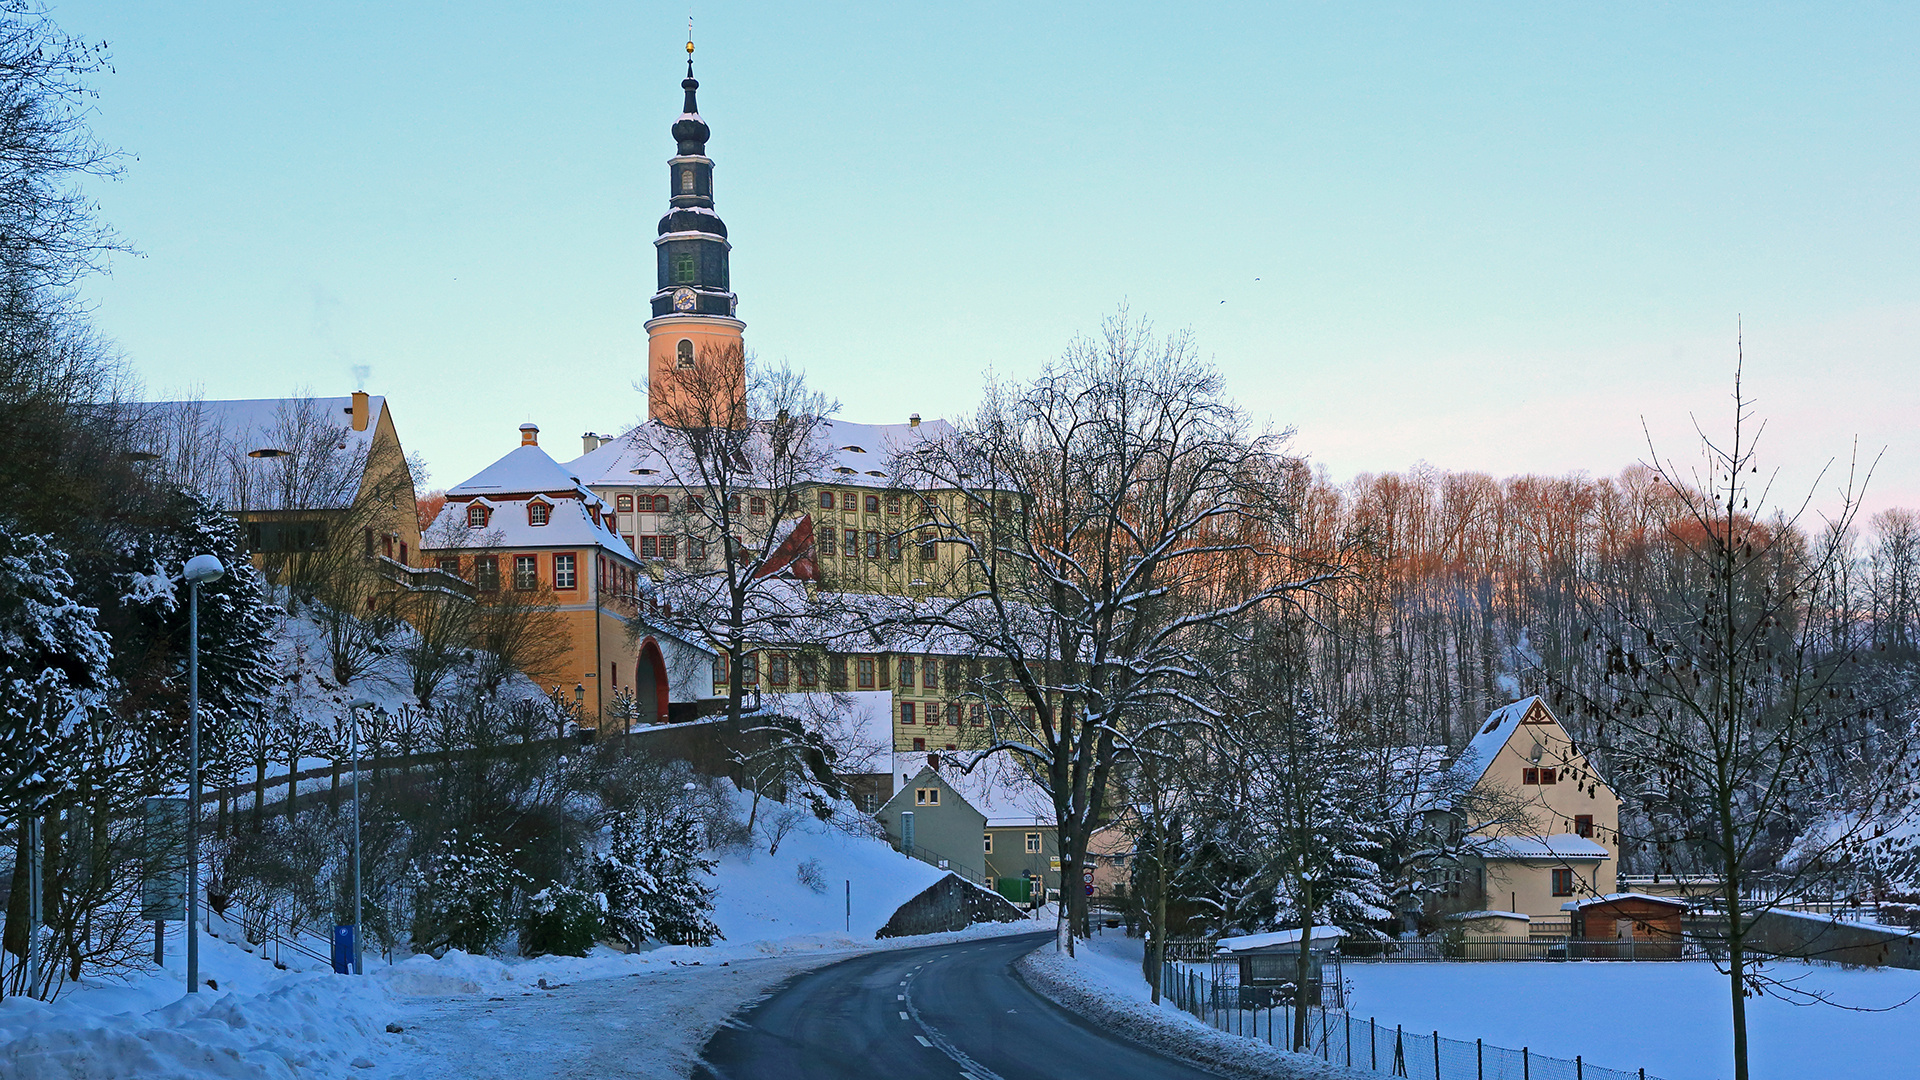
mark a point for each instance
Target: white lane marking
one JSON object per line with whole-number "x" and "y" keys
{"x": 969, "y": 1068}
{"x": 903, "y": 1016}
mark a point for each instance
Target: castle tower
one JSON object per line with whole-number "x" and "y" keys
{"x": 694, "y": 343}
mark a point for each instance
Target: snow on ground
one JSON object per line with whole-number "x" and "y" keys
{"x": 259, "y": 1022}
{"x": 761, "y": 895}
{"x": 1672, "y": 1019}
{"x": 605, "y": 1014}
{"x": 1102, "y": 982}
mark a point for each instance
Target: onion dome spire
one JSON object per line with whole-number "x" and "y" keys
{"x": 692, "y": 245}
{"x": 689, "y": 130}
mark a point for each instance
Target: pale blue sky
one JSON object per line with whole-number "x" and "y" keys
{"x": 1484, "y": 236}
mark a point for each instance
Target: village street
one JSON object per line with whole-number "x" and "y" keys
{"x": 946, "y": 1011}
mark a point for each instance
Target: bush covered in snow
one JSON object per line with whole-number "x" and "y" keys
{"x": 560, "y": 920}
{"x": 466, "y": 895}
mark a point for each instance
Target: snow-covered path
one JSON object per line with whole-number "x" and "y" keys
{"x": 648, "y": 1024}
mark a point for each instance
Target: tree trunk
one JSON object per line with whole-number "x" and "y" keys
{"x": 1300, "y": 995}
{"x": 293, "y": 784}
{"x": 259, "y": 792}
{"x": 333, "y": 792}
{"x": 1157, "y": 948}
{"x": 1736, "y": 967}
{"x": 15, "y": 938}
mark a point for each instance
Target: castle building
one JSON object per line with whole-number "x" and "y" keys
{"x": 845, "y": 526}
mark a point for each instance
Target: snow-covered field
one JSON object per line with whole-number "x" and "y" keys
{"x": 1668, "y": 1018}
{"x": 645, "y": 1014}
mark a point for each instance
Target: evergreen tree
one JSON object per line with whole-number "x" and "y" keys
{"x": 53, "y": 658}
{"x": 148, "y": 613}
{"x": 464, "y": 903}
{"x": 653, "y": 876}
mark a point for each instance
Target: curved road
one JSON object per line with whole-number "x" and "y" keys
{"x": 946, "y": 1011}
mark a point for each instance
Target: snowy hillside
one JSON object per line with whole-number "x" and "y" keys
{"x": 762, "y": 896}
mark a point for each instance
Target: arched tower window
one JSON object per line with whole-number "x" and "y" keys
{"x": 686, "y": 181}
{"x": 683, "y": 354}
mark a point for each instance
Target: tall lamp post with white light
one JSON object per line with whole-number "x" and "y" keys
{"x": 199, "y": 570}
{"x": 353, "y": 710}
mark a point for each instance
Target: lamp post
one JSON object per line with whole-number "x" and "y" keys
{"x": 199, "y": 570}
{"x": 353, "y": 713}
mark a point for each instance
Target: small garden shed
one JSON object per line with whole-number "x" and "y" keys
{"x": 1645, "y": 927}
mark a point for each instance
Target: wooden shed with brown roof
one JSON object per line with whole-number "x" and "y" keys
{"x": 1636, "y": 926}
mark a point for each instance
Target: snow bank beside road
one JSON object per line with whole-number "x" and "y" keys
{"x": 262, "y": 1023}
{"x": 1103, "y": 983}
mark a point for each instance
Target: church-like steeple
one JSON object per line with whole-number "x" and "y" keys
{"x": 696, "y": 356}
{"x": 692, "y": 246}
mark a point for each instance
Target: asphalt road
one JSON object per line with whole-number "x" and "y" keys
{"x": 946, "y": 1011}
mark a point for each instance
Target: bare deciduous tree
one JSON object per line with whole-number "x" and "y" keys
{"x": 1728, "y": 710}
{"x": 1114, "y": 516}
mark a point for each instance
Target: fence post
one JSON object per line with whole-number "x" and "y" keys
{"x": 1373, "y": 1043}
{"x": 1436, "y": 1056}
{"x": 1349, "y": 1017}
{"x": 1479, "y": 1059}
{"x": 1526, "y": 1065}
{"x": 1399, "y": 1053}
{"x": 1579, "y": 1070}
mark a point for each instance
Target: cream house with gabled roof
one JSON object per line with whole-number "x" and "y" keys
{"x": 1542, "y": 827}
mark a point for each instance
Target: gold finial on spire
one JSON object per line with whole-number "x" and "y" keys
{"x": 689, "y": 33}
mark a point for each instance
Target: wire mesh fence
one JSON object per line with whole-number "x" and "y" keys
{"x": 1363, "y": 1042}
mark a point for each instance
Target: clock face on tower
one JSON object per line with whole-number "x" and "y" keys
{"x": 684, "y": 299}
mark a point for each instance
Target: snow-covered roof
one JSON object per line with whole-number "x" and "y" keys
{"x": 1557, "y": 846}
{"x": 524, "y": 470}
{"x": 507, "y": 488}
{"x": 1493, "y": 735}
{"x": 858, "y": 724}
{"x": 1470, "y": 916}
{"x": 254, "y": 433}
{"x": 569, "y": 525}
{"x": 996, "y": 787}
{"x": 1248, "y": 942}
{"x": 1590, "y": 901}
{"x": 857, "y": 455}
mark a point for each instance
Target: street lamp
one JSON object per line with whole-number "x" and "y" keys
{"x": 353, "y": 713}
{"x": 199, "y": 570}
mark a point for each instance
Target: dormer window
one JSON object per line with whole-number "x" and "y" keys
{"x": 476, "y": 516}
{"x": 683, "y": 352}
{"x": 539, "y": 513}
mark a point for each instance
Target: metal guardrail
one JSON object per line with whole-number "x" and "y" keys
{"x": 1344, "y": 1039}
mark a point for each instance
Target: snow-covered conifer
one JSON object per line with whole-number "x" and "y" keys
{"x": 53, "y": 662}
{"x": 465, "y": 901}
{"x": 654, "y": 875}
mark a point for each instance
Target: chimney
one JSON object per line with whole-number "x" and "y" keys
{"x": 589, "y": 442}
{"x": 529, "y": 434}
{"x": 913, "y": 420}
{"x": 359, "y": 410}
